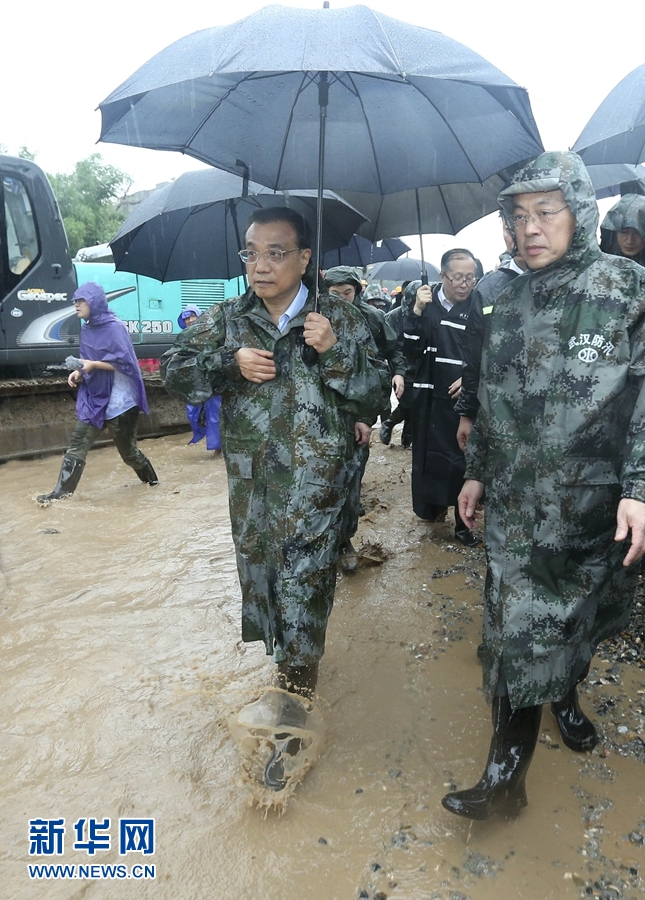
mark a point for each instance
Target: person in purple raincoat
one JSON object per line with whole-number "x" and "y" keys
{"x": 110, "y": 392}
{"x": 203, "y": 417}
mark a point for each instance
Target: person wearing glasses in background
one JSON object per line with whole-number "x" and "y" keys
{"x": 287, "y": 429}
{"x": 433, "y": 341}
{"x": 559, "y": 448}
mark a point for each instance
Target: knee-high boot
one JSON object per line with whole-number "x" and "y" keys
{"x": 577, "y": 731}
{"x": 501, "y": 788}
{"x": 300, "y": 680}
{"x": 147, "y": 474}
{"x": 70, "y": 474}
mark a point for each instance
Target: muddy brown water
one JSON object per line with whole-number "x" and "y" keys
{"x": 122, "y": 661}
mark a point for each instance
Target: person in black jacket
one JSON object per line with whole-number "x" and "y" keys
{"x": 403, "y": 412}
{"x": 478, "y": 328}
{"x": 433, "y": 341}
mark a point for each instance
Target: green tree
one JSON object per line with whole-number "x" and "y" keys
{"x": 26, "y": 153}
{"x": 89, "y": 201}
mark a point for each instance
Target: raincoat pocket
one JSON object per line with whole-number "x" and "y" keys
{"x": 317, "y": 505}
{"x": 589, "y": 495}
{"x": 239, "y": 465}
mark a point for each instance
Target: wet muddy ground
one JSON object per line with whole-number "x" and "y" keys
{"x": 122, "y": 662}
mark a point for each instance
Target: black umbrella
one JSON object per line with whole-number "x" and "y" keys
{"x": 402, "y": 270}
{"x": 346, "y": 97}
{"x": 194, "y": 227}
{"x": 617, "y": 179}
{"x": 361, "y": 252}
{"x": 616, "y": 131}
{"x": 442, "y": 209}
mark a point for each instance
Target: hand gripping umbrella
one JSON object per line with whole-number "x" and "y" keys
{"x": 346, "y": 98}
{"x": 192, "y": 228}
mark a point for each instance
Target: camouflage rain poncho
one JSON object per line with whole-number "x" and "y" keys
{"x": 559, "y": 439}
{"x": 288, "y": 446}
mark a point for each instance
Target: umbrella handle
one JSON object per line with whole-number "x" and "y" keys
{"x": 309, "y": 356}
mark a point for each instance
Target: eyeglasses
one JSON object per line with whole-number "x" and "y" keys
{"x": 457, "y": 280}
{"x": 541, "y": 217}
{"x": 250, "y": 257}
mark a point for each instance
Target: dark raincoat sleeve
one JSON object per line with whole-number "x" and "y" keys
{"x": 198, "y": 365}
{"x": 416, "y": 333}
{"x": 467, "y": 404}
{"x": 352, "y": 369}
{"x": 633, "y": 473}
{"x": 477, "y": 449}
{"x": 394, "y": 354}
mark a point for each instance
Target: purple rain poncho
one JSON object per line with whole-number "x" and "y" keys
{"x": 104, "y": 338}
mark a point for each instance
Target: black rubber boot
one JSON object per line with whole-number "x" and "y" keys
{"x": 501, "y": 788}
{"x": 385, "y": 433}
{"x": 463, "y": 533}
{"x": 147, "y": 474}
{"x": 577, "y": 731}
{"x": 70, "y": 474}
{"x": 347, "y": 558}
{"x": 300, "y": 680}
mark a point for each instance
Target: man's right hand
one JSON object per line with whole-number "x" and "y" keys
{"x": 423, "y": 297}
{"x": 469, "y": 506}
{"x": 463, "y": 432}
{"x": 255, "y": 365}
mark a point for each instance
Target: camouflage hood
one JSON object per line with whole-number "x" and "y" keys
{"x": 409, "y": 297}
{"x": 344, "y": 275}
{"x": 629, "y": 212}
{"x": 563, "y": 171}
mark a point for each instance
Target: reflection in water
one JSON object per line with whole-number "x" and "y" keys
{"x": 122, "y": 663}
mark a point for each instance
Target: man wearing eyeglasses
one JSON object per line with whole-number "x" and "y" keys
{"x": 433, "y": 333}
{"x": 559, "y": 448}
{"x": 287, "y": 428}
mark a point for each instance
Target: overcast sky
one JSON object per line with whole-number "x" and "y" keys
{"x": 64, "y": 58}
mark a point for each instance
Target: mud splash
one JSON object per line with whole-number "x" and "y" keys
{"x": 277, "y": 722}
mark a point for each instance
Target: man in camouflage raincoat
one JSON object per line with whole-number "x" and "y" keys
{"x": 287, "y": 433}
{"x": 345, "y": 282}
{"x": 559, "y": 446}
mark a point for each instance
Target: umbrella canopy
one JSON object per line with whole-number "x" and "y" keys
{"x": 616, "y": 131}
{"x": 617, "y": 179}
{"x": 361, "y": 252}
{"x": 194, "y": 227}
{"x": 402, "y": 270}
{"x": 431, "y": 210}
{"x": 405, "y": 107}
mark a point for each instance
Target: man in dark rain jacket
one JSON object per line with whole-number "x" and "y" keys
{"x": 559, "y": 446}
{"x": 433, "y": 333}
{"x": 287, "y": 430}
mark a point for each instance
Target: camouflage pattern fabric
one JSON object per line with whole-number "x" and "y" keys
{"x": 388, "y": 351}
{"x": 288, "y": 445}
{"x": 559, "y": 439}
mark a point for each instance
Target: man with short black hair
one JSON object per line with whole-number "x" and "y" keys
{"x": 287, "y": 430}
